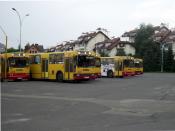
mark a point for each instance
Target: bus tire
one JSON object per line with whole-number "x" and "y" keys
{"x": 110, "y": 73}
{"x": 59, "y": 76}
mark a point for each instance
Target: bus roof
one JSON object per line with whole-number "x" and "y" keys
{"x": 15, "y": 54}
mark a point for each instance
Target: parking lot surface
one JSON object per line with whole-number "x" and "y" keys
{"x": 138, "y": 103}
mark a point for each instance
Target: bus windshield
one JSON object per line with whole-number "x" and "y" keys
{"x": 85, "y": 61}
{"x": 128, "y": 63}
{"x": 18, "y": 62}
{"x": 138, "y": 64}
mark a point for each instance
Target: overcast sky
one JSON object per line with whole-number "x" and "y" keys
{"x": 53, "y": 22}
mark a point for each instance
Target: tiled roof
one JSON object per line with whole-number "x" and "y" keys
{"x": 131, "y": 33}
{"x": 108, "y": 44}
{"x": 37, "y": 46}
{"x": 85, "y": 37}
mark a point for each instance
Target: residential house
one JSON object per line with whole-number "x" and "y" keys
{"x": 170, "y": 41}
{"x": 129, "y": 36}
{"x": 33, "y": 48}
{"x": 59, "y": 48}
{"x": 127, "y": 47}
{"x": 69, "y": 46}
{"x": 113, "y": 46}
{"x": 88, "y": 40}
{"x": 159, "y": 33}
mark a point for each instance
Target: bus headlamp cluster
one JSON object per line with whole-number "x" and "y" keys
{"x": 84, "y": 53}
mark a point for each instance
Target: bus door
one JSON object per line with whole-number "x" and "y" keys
{"x": 44, "y": 68}
{"x": 69, "y": 68}
{"x": 117, "y": 63}
{"x": 120, "y": 68}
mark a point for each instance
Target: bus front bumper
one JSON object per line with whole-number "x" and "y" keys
{"x": 138, "y": 72}
{"x": 84, "y": 76}
{"x": 128, "y": 73}
{"x": 18, "y": 76}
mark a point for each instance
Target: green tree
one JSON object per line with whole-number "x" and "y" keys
{"x": 147, "y": 49}
{"x": 168, "y": 59}
{"x": 9, "y": 50}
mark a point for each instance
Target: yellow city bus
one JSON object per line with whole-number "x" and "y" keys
{"x": 16, "y": 66}
{"x": 128, "y": 66}
{"x": 117, "y": 66}
{"x": 111, "y": 67}
{"x": 68, "y": 65}
{"x": 138, "y": 66}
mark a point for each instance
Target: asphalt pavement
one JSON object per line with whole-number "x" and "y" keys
{"x": 139, "y": 103}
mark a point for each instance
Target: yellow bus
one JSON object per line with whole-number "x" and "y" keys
{"x": 128, "y": 66}
{"x": 69, "y": 65}
{"x": 16, "y": 66}
{"x": 111, "y": 67}
{"x": 138, "y": 66}
{"x": 117, "y": 66}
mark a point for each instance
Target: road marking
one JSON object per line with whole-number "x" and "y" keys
{"x": 15, "y": 120}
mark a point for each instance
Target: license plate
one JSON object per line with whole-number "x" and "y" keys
{"x": 85, "y": 69}
{"x": 86, "y": 77}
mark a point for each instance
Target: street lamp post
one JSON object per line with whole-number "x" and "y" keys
{"x": 162, "y": 60}
{"x": 20, "y": 25}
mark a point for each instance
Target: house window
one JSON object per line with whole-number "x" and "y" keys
{"x": 122, "y": 45}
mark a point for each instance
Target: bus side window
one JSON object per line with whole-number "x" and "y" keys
{"x": 37, "y": 59}
{"x": 60, "y": 58}
{"x": 51, "y": 59}
{"x": 32, "y": 60}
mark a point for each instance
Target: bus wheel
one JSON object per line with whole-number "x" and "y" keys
{"x": 110, "y": 74}
{"x": 59, "y": 77}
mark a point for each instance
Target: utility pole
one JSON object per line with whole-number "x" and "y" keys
{"x": 20, "y": 25}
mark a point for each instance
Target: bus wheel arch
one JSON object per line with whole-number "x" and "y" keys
{"x": 59, "y": 76}
{"x": 110, "y": 74}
